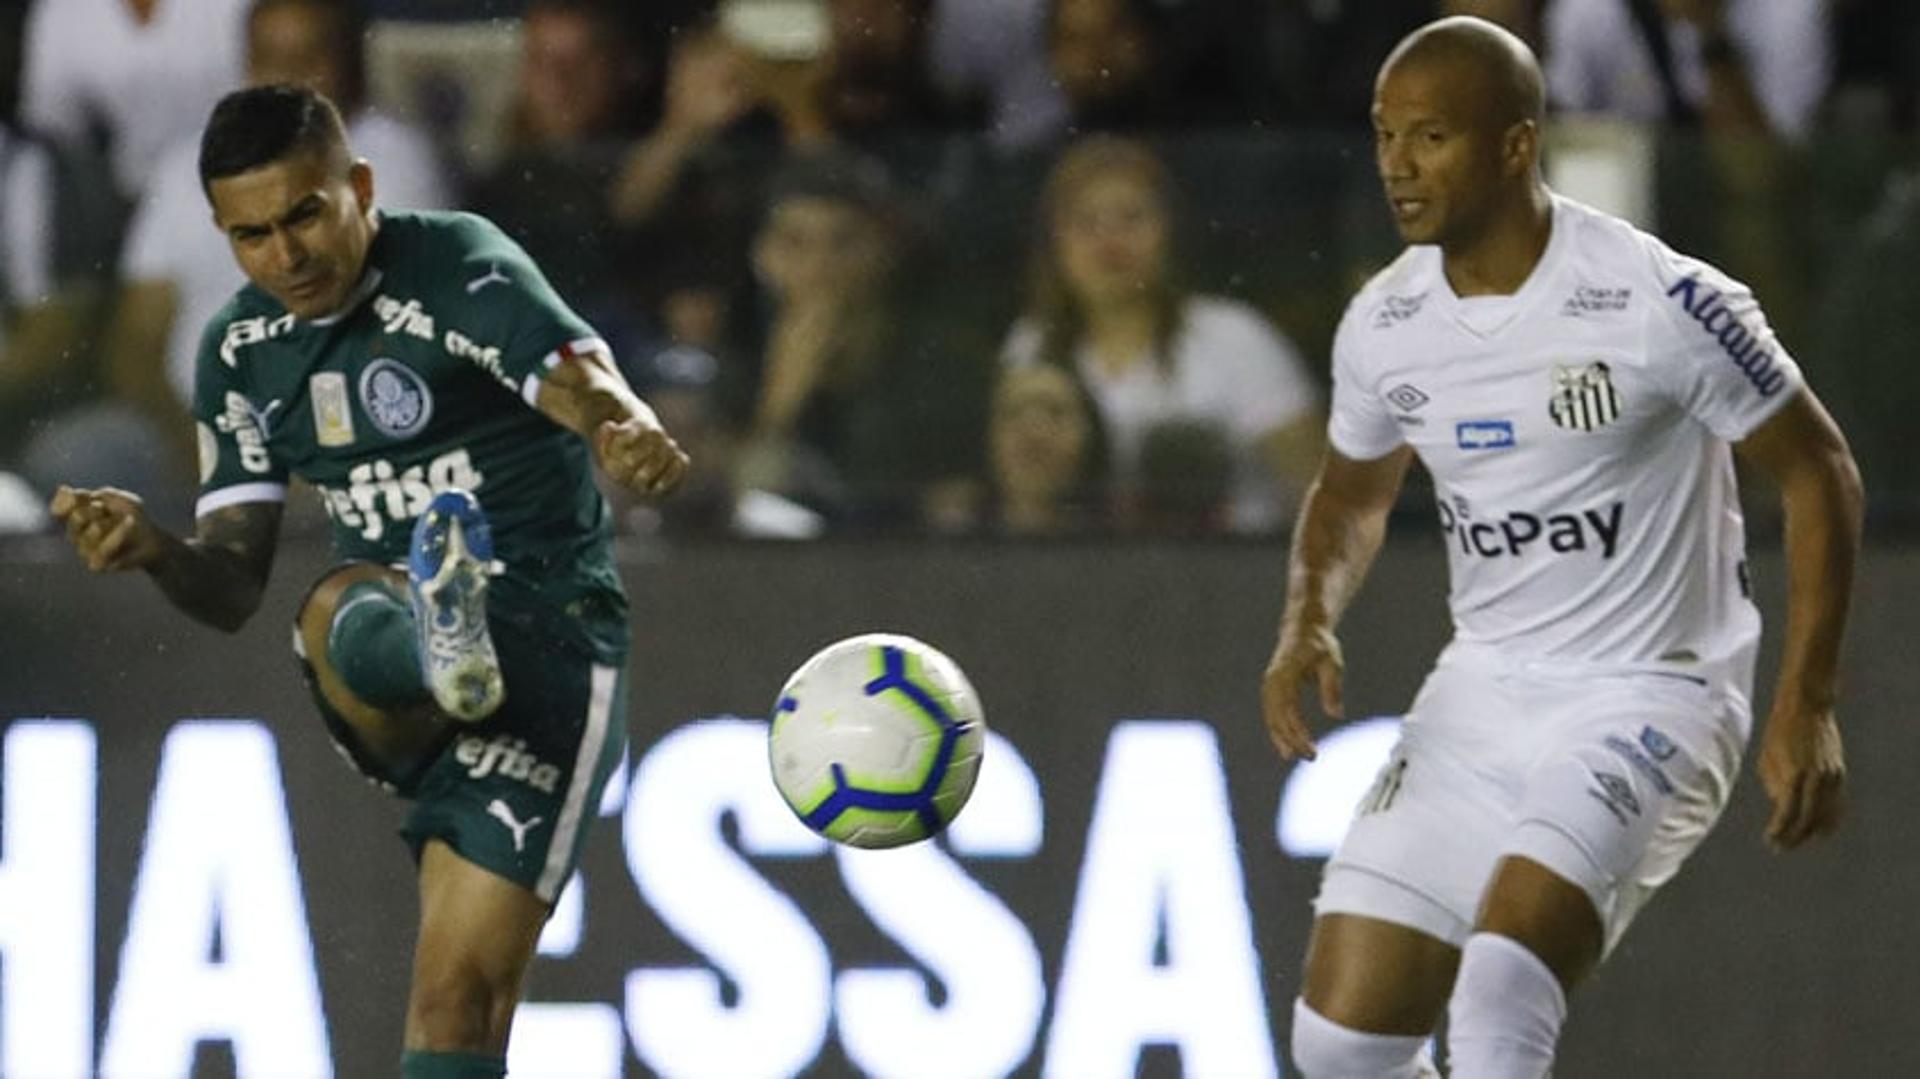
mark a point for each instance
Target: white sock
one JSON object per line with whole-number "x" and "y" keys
{"x": 1505, "y": 1016}
{"x": 1323, "y": 1049}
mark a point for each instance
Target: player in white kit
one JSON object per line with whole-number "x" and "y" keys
{"x": 1576, "y": 389}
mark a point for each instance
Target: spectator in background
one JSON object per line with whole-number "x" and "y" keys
{"x": 762, "y": 82}
{"x": 1868, "y": 329}
{"x": 567, "y": 140}
{"x": 1341, "y": 43}
{"x": 1186, "y": 482}
{"x": 1106, "y": 304}
{"x": 1731, "y": 65}
{"x": 1748, "y": 75}
{"x": 689, "y": 192}
{"x": 129, "y": 77}
{"x": 996, "y": 50}
{"x": 1046, "y": 455}
{"x": 176, "y": 273}
{"x": 857, "y": 399}
{"x": 1876, "y": 66}
{"x": 40, "y": 316}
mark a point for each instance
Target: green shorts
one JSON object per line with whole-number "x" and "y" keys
{"x": 515, "y": 793}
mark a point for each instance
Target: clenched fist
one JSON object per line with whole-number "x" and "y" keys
{"x": 108, "y": 526}
{"x": 640, "y": 456}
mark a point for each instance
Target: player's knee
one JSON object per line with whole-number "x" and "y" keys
{"x": 460, "y": 1009}
{"x": 1324, "y": 1049}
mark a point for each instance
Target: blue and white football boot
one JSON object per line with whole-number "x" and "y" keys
{"x": 447, "y": 568}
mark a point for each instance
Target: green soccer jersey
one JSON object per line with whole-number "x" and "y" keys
{"x": 426, "y": 381}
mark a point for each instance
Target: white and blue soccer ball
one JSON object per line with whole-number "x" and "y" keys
{"x": 876, "y": 740}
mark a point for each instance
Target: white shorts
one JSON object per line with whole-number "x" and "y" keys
{"x": 1609, "y": 777}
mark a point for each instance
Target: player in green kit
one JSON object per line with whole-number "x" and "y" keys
{"x": 448, "y": 407}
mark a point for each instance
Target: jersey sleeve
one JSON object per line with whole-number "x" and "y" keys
{"x": 1714, "y": 350}
{"x": 236, "y": 463}
{"x": 1358, "y": 423}
{"x": 520, "y": 327}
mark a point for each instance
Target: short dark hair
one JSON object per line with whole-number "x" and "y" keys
{"x": 262, "y": 124}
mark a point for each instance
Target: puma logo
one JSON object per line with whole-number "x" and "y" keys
{"x": 263, "y": 416}
{"x": 492, "y": 276}
{"x": 498, "y": 810}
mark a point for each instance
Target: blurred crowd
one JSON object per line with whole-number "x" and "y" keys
{"x": 971, "y": 267}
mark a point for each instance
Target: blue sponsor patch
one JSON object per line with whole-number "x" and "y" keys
{"x": 1484, "y": 434}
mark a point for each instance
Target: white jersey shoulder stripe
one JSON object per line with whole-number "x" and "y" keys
{"x": 235, "y": 495}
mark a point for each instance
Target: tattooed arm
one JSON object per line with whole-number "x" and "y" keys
{"x": 217, "y": 577}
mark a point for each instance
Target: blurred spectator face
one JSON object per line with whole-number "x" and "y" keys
{"x": 300, "y": 43}
{"x": 876, "y": 36}
{"x": 569, "y": 75}
{"x": 1099, "y": 49}
{"x": 812, "y": 247}
{"x": 1111, "y": 235}
{"x": 876, "y": 55}
{"x": 1440, "y": 158}
{"x": 1040, "y": 435}
{"x": 299, "y": 228}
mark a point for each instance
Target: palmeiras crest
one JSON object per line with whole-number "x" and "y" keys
{"x": 395, "y": 397}
{"x": 1583, "y": 397}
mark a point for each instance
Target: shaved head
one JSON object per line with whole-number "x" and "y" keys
{"x": 1458, "y": 113}
{"x": 1479, "y": 58}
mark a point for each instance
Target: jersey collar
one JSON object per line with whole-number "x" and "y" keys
{"x": 369, "y": 281}
{"x": 1538, "y": 282}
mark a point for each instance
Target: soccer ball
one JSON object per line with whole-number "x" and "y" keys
{"x": 876, "y": 740}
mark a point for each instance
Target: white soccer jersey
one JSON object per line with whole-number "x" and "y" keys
{"x": 1578, "y": 436}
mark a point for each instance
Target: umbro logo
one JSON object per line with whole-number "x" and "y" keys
{"x": 1406, "y": 397}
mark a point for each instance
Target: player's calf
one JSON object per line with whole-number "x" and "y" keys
{"x": 354, "y": 638}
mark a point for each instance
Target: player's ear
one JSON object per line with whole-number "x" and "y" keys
{"x": 360, "y": 175}
{"x": 1520, "y": 147}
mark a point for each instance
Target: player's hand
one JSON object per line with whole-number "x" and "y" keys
{"x": 1309, "y": 652}
{"x": 640, "y": 456}
{"x": 1804, "y": 771}
{"x": 108, "y": 526}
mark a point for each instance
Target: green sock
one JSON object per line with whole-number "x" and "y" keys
{"x": 421, "y": 1064}
{"x": 373, "y": 646}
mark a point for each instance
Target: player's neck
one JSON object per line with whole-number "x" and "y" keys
{"x": 1498, "y": 261}
{"x": 358, "y": 293}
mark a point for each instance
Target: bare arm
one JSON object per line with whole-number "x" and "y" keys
{"x": 1341, "y": 525}
{"x": 587, "y": 395}
{"x": 216, "y": 577}
{"x": 1801, "y": 761}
